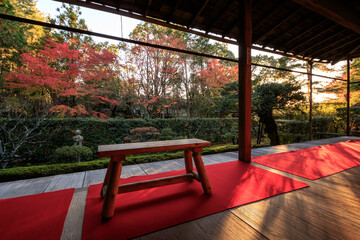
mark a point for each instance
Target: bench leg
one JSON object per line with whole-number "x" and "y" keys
{"x": 112, "y": 189}
{"x": 188, "y": 160}
{"x": 106, "y": 180}
{"x": 202, "y": 172}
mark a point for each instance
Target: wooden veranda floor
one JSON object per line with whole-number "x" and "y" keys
{"x": 328, "y": 209}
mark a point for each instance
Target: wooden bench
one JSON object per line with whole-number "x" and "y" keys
{"x": 118, "y": 152}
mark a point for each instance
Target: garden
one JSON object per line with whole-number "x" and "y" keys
{"x": 54, "y": 82}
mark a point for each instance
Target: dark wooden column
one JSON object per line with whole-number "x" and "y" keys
{"x": 245, "y": 43}
{"x": 348, "y": 99}
{"x": 310, "y": 68}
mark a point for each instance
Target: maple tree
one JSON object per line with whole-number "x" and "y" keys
{"x": 71, "y": 80}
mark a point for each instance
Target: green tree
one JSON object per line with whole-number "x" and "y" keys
{"x": 268, "y": 97}
{"x": 70, "y": 16}
{"x": 12, "y": 41}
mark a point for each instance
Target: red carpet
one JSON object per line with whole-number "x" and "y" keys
{"x": 315, "y": 162}
{"x": 141, "y": 212}
{"x": 39, "y": 216}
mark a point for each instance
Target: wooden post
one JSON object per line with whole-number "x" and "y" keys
{"x": 245, "y": 43}
{"x": 348, "y": 98}
{"x": 310, "y": 68}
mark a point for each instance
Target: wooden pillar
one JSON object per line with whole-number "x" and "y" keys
{"x": 348, "y": 98}
{"x": 310, "y": 68}
{"x": 245, "y": 43}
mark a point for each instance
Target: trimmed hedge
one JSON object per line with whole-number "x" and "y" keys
{"x": 18, "y": 173}
{"x": 59, "y": 132}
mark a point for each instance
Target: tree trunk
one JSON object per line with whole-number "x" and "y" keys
{"x": 267, "y": 119}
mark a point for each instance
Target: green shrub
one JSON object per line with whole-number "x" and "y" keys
{"x": 17, "y": 173}
{"x": 72, "y": 154}
{"x": 142, "y": 134}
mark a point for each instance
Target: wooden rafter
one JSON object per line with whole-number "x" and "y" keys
{"x": 299, "y": 36}
{"x": 198, "y": 13}
{"x": 173, "y": 11}
{"x": 282, "y": 21}
{"x": 346, "y": 54}
{"x": 314, "y": 53}
{"x": 232, "y": 26}
{"x": 268, "y": 14}
{"x": 311, "y": 49}
{"x": 338, "y": 11}
{"x": 312, "y": 38}
{"x": 147, "y": 8}
{"x": 342, "y": 55}
{"x": 219, "y": 16}
{"x": 271, "y": 41}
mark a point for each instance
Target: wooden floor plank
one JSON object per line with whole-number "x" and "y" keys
{"x": 221, "y": 158}
{"x": 24, "y": 187}
{"x": 223, "y": 225}
{"x": 94, "y": 177}
{"x": 74, "y": 219}
{"x": 163, "y": 166}
{"x": 64, "y": 181}
{"x": 275, "y": 223}
{"x": 97, "y": 176}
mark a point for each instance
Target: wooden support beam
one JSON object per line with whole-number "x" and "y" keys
{"x": 337, "y": 11}
{"x": 193, "y": 20}
{"x": 282, "y": 21}
{"x": 245, "y": 42}
{"x": 348, "y": 98}
{"x": 309, "y": 69}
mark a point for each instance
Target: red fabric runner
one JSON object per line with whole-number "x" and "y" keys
{"x": 137, "y": 213}
{"x": 315, "y": 162}
{"x": 39, "y": 216}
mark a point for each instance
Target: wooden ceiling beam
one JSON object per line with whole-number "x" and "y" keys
{"x": 192, "y": 22}
{"x": 282, "y": 21}
{"x": 337, "y": 11}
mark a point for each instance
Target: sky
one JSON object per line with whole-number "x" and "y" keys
{"x": 120, "y": 26}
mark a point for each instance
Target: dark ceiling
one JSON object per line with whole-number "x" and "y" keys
{"x": 292, "y": 27}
